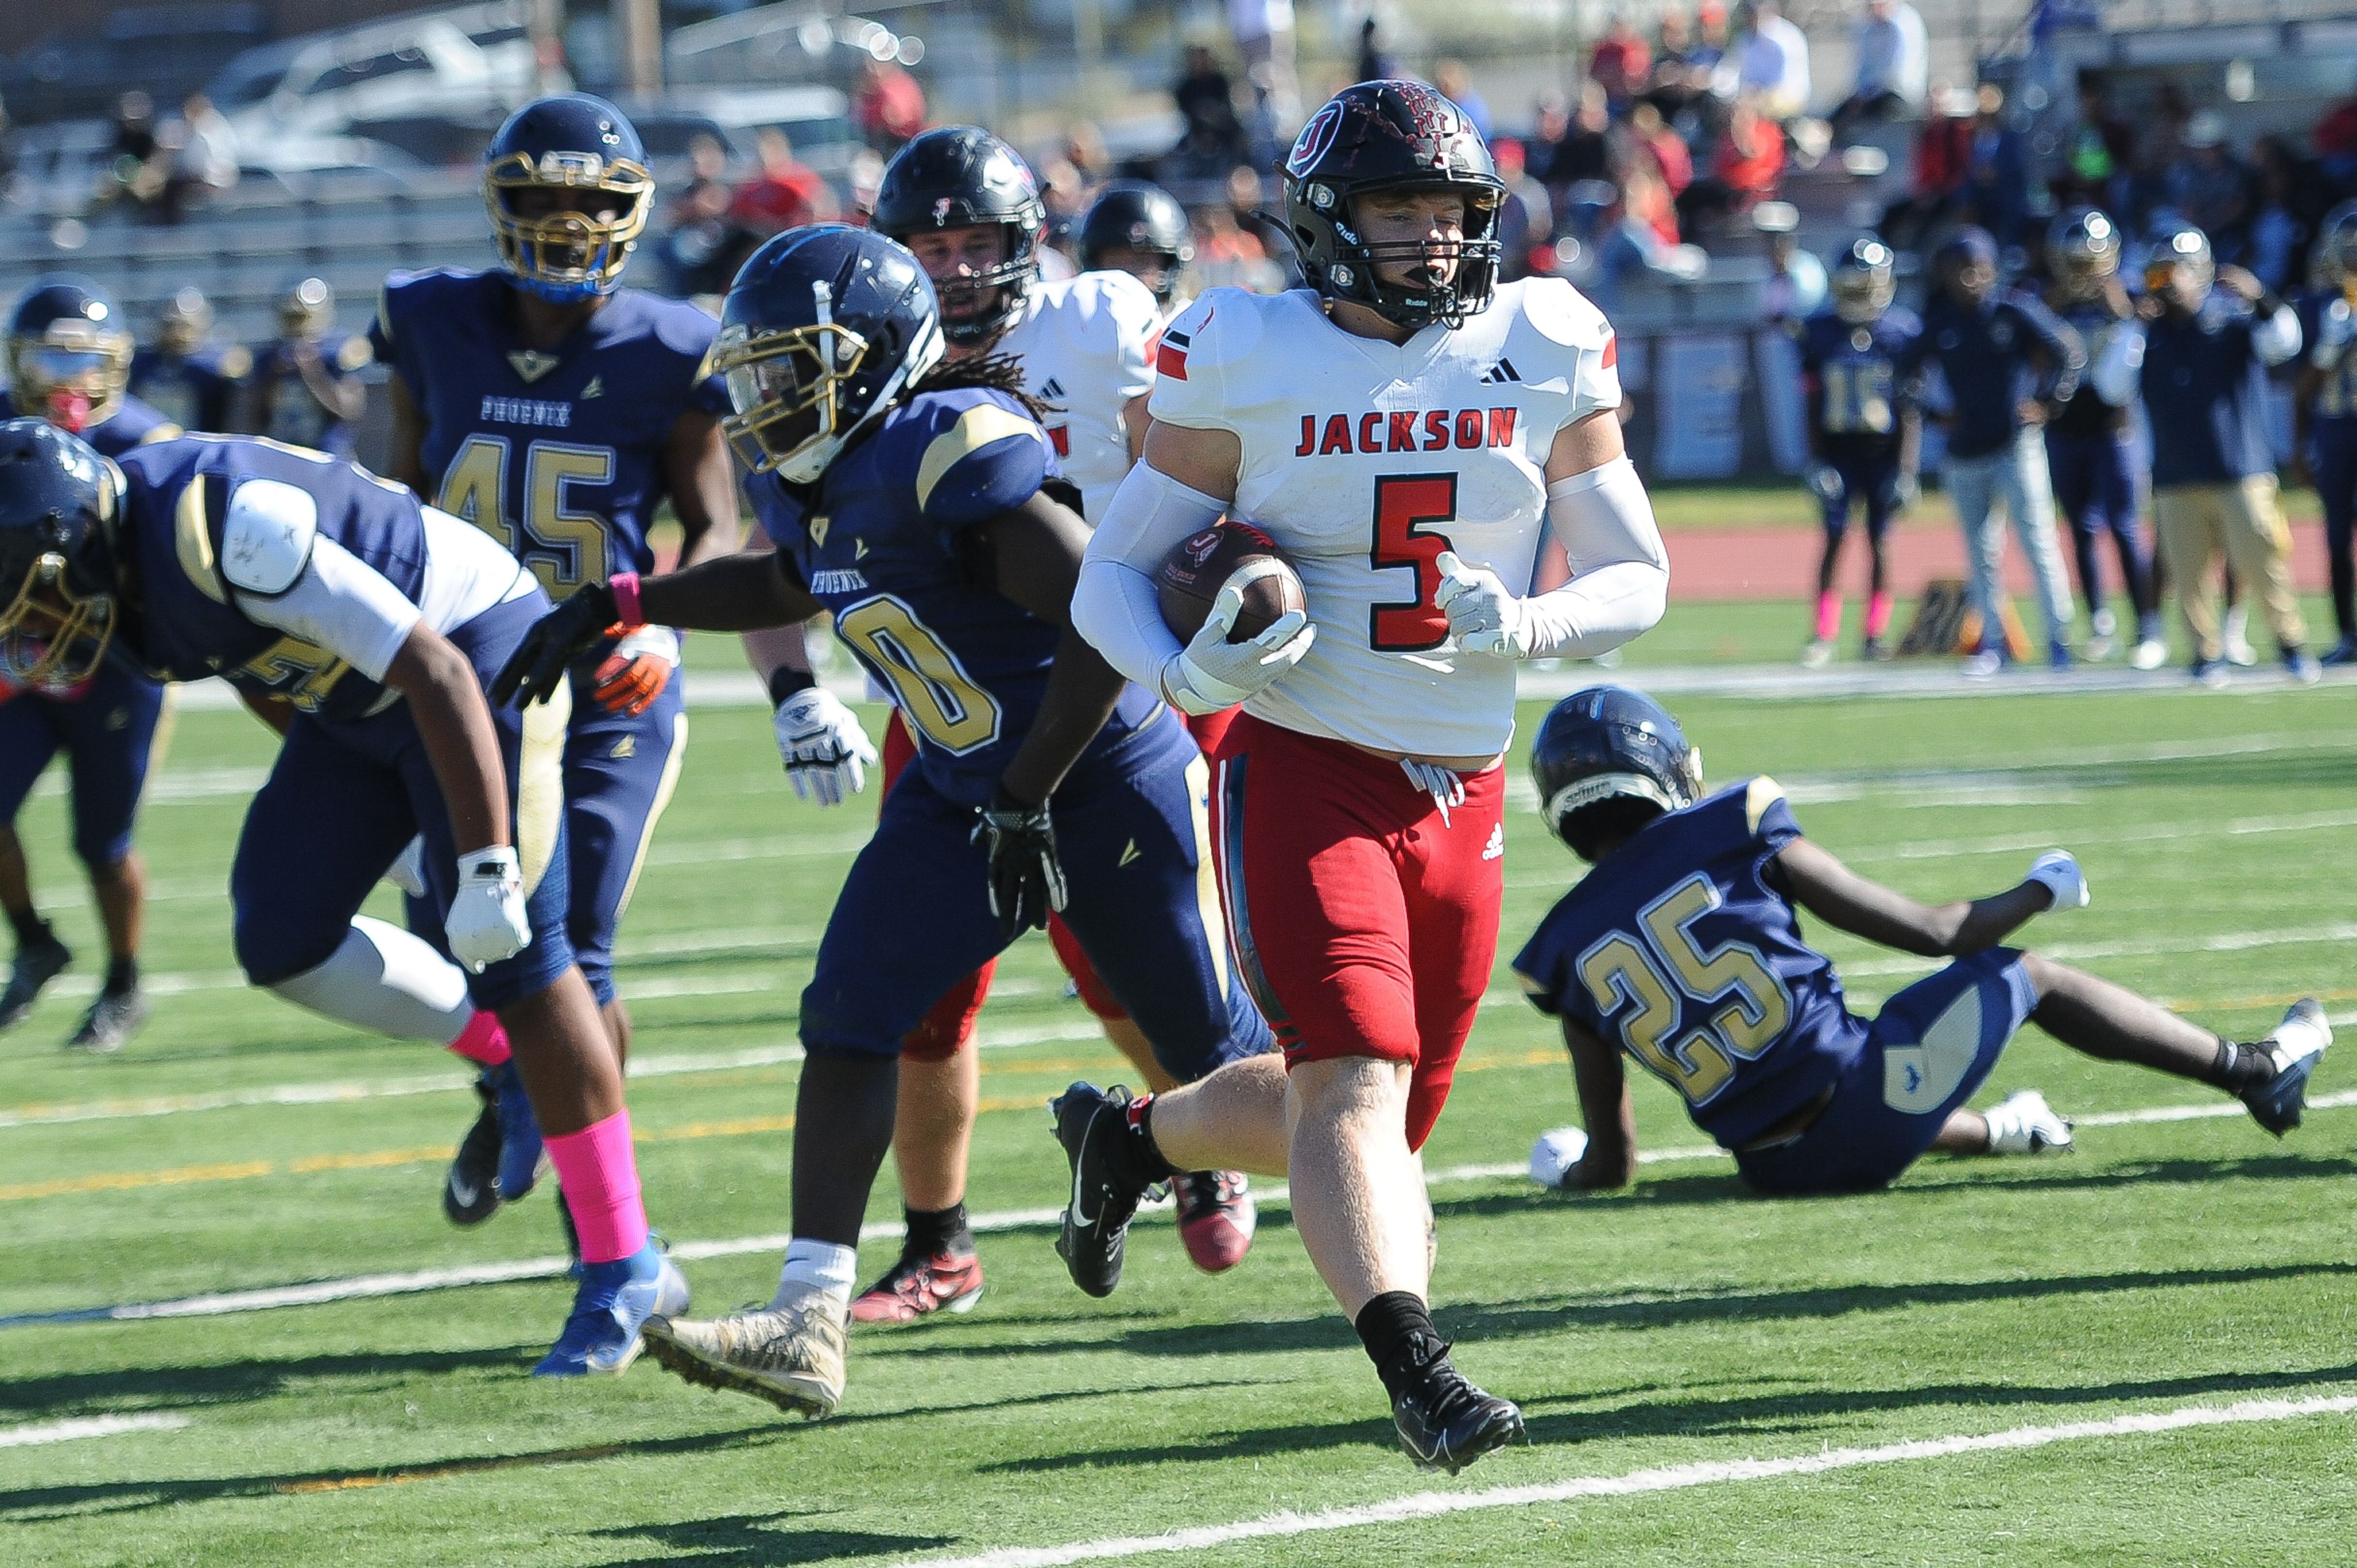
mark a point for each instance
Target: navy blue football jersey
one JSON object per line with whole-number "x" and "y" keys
{"x": 2336, "y": 390}
{"x": 2087, "y": 415}
{"x": 184, "y": 623}
{"x": 1679, "y": 948}
{"x": 1855, "y": 389}
{"x": 559, "y": 455}
{"x": 133, "y": 424}
{"x": 285, "y": 406}
{"x": 877, "y": 542}
{"x": 195, "y": 391}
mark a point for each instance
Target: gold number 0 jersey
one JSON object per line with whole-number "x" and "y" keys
{"x": 1365, "y": 460}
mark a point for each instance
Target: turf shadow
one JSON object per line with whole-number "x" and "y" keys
{"x": 751, "y": 1540}
{"x": 1759, "y": 1414}
{"x": 237, "y": 1382}
{"x": 135, "y": 1496}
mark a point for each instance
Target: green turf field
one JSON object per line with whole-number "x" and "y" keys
{"x": 2166, "y": 1266}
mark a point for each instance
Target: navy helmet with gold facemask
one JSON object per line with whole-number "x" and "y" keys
{"x": 823, "y": 329}
{"x": 69, "y": 349}
{"x": 568, "y": 189}
{"x": 58, "y": 588}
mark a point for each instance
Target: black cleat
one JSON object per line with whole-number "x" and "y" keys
{"x": 36, "y": 966}
{"x": 470, "y": 1192}
{"x": 1446, "y": 1423}
{"x": 1090, "y": 1123}
{"x": 110, "y": 1020}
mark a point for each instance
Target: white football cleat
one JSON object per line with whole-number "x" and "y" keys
{"x": 2023, "y": 1124}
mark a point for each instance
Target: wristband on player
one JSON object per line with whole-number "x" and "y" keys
{"x": 785, "y": 680}
{"x": 624, "y": 587}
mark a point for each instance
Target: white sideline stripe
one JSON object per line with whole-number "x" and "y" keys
{"x": 997, "y": 1038}
{"x": 316, "y": 1293}
{"x": 87, "y": 1426}
{"x": 2135, "y": 946}
{"x": 1636, "y": 1483}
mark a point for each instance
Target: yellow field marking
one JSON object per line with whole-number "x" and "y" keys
{"x": 117, "y": 1181}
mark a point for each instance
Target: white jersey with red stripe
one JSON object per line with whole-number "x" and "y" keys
{"x": 1082, "y": 341}
{"x": 1364, "y": 460}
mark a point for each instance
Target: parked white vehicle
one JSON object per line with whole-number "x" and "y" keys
{"x": 467, "y": 61}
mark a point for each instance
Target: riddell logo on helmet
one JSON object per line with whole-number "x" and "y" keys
{"x": 1316, "y": 137}
{"x": 941, "y": 209}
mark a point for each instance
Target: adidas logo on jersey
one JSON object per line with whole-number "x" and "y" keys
{"x": 1433, "y": 430}
{"x": 1501, "y": 373}
{"x": 1052, "y": 390}
{"x": 596, "y": 388}
{"x": 625, "y": 748}
{"x": 1496, "y": 848}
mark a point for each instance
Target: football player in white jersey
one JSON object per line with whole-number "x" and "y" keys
{"x": 1406, "y": 431}
{"x": 1137, "y": 228}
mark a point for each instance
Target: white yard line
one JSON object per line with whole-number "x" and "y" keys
{"x": 455, "y": 1080}
{"x": 86, "y": 1427}
{"x": 315, "y": 1293}
{"x": 1636, "y": 1483}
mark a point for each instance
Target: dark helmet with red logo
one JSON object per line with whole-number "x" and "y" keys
{"x": 960, "y": 177}
{"x": 1393, "y": 136}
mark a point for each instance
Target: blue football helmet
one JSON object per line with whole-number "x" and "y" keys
{"x": 1865, "y": 282}
{"x": 69, "y": 350}
{"x": 823, "y": 329}
{"x": 567, "y": 185}
{"x": 1609, "y": 743}
{"x": 2082, "y": 250}
{"x": 57, "y": 500}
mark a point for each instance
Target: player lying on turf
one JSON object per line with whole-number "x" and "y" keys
{"x": 918, "y": 503}
{"x": 1683, "y": 949}
{"x": 291, "y": 574}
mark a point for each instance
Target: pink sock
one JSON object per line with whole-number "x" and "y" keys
{"x": 600, "y": 1173}
{"x": 1878, "y": 613}
{"x": 1828, "y": 616}
{"x": 482, "y": 1040}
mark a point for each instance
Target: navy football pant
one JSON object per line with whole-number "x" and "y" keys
{"x": 110, "y": 733}
{"x": 345, "y": 797}
{"x": 620, "y": 770}
{"x": 2336, "y": 489}
{"x": 1927, "y": 1052}
{"x": 1132, "y": 832}
{"x": 2095, "y": 489}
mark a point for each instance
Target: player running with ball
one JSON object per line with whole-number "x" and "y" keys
{"x": 1405, "y": 431}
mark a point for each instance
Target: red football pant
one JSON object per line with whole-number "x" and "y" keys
{"x": 1365, "y": 926}
{"x": 948, "y": 1028}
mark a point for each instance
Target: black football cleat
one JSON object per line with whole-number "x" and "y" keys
{"x": 1446, "y": 1423}
{"x": 1091, "y": 1123}
{"x": 114, "y": 1017}
{"x": 36, "y": 966}
{"x": 470, "y": 1192}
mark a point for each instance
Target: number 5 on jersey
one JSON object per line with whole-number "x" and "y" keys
{"x": 1405, "y": 505}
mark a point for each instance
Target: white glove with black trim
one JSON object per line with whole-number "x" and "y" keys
{"x": 1212, "y": 674}
{"x": 2059, "y": 870}
{"x": 487, "y": 920}
{"x": 1484, "y": 616}
{"x": 407, "y": 871}
{"x": 825, "y": 751}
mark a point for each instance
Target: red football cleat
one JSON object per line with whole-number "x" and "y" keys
{"x": 917, "y": 1287}
{"x": 1216, "y": 1218}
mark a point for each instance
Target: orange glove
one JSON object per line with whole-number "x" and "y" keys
{"x": 638, "y": 670}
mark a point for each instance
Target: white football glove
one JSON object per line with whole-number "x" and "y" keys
{"x": 1825, "y": 479}
{"x": 1483, "y": 616}
{"x": 487, "y": 922}
{"x": 1212, "y": 674}
{"x": 407, "y": 871}
{"x": 1555, "y": 1153}
{"x": 827, "y": 754}
{"x": 1906, "y": 493}
{"x": 2059, "y": 870}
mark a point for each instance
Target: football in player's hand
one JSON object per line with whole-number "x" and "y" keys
{"x": 1191, "y": 575}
